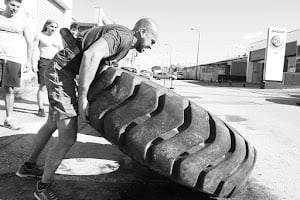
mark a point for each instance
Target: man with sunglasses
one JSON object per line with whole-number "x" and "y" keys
{"x": 67, "y": 111}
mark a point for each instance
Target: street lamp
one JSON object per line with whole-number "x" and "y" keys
{"x": 98, "y": 14}
{"x": 193, "y": 29}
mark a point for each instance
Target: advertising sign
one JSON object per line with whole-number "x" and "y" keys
{"x": 275, "y": 54}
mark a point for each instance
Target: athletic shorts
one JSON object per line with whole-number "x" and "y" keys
{"x": 10, "y": 73}
{"x": 62, "y": 92}
{"x": 42, "y": 65}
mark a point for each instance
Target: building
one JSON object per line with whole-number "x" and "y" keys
{"x": 291, "y": 68}
{"x": 251, "y": 69}
{"x": 38, "y": 11}
{"x": 226, "y": 70}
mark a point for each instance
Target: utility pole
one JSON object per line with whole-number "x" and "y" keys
{"x": 193, "y": 29}
{"x": 170, "y": 55}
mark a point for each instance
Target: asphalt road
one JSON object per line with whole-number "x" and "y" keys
{"x": 269, "y": 119}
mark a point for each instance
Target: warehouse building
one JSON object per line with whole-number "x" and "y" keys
{"x": 291, "y": 68}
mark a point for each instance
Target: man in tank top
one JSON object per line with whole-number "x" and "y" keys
{"x": 67, "y": 111}
{"x": 13, "y": 29}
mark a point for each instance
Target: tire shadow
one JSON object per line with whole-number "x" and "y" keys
{"x": 131, "y": 181}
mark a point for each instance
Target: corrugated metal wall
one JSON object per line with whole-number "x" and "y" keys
{"x": 238, "y": 68}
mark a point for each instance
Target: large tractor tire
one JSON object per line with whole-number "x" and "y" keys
{"x": 169, "y": 133}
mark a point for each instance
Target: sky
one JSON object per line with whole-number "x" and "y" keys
{"x": 225, "y": 26}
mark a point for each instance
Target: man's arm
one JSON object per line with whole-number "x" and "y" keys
{"x": 88, "y": 68}
{"x": 28, "y": 39}
{"x": 60, "y": 40}
{"x": 35, "y": 52}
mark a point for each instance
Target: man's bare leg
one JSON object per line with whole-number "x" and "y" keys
{"x": 67, "y": 131}
{"x": 42, "y": 138}
{"x": 41, "y": 96}
{"x": 9, "y": 99}
{"x": 29, "y": 168}
{"x": 41, "y": 100}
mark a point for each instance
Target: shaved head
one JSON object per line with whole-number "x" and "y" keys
{"x": 148, "y": 25}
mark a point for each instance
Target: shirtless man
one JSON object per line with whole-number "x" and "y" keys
{"x": 49, "y": 44}
{"x": 101, "y": 45}
{"x": 13, "y": 29}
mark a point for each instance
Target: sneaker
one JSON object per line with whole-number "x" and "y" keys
{"x": 41, "y": 113}
{"x": 23, "y": 172}
{"x": 44, "y": 194}
{"x": 10, "y": 125}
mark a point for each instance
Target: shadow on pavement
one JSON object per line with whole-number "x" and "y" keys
{"x": 283, "y": 100}
{"x": 224, "y": 84}
{"x": 21, "y": 110}
{"x": 255, "y": 191}
{"x": 131, "y": 181}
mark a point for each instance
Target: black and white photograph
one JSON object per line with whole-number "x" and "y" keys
{"x": 149, "y": 100}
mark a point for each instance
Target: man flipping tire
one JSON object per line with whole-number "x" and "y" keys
{"x": 67, "y": 111}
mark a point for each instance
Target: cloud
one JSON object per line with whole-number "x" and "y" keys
{"x": 253, "y": 35}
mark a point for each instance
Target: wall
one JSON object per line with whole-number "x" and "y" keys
{"x": 211, "y": 73}
{"x": 238, "y": 68}
{"x": 29, "y": 11}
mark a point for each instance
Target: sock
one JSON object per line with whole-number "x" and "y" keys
{"x": 29, "y": 165}
{"x": 8, "y": 119}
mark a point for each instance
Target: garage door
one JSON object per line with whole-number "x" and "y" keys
{"x": 49, "y": 9}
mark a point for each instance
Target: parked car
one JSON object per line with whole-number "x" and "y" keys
{"x": 180, "y": 75}
{"x": 146, "y": 74}
{"x": 164, "y": 75}
{"x": 130, "y": 69}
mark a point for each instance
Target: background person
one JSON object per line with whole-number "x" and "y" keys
{"x": 103, "y": 19}
{"x": 101, "y": 44}
{"x": 74, "y": 29}
{"x": 49, "y": 43}
{"x": 13, "y": 29}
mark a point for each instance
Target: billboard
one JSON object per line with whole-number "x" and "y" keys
{"x": 275, "y": 53}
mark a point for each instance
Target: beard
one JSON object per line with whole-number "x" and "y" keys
{"x": 13, "y": 12}
{"x": 139, "y": 46}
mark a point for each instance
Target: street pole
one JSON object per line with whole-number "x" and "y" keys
{"x": 170, "y": 55}
{"x": 193, "y": 29}
{"x": 98, "y": 15}
{"x": 171, "y": 79}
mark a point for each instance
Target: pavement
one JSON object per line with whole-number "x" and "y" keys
{"x": 96, "y": 169}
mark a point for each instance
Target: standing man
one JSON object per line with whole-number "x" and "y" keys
{"x": 74, "y": 29}
{"x": 101, "y": 45}
{"x": 12, "y": 30}
{"x": 49, "y": 43}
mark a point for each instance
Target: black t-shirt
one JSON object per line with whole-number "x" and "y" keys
{"x": 118, "y": 38}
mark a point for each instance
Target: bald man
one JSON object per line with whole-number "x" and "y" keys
{"x": 67, "y": 111}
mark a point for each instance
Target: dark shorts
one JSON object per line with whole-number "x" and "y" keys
{"x": 10, "y": 73}
{"x": 42, "y": 65}
{"x": 62, "y": 92}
